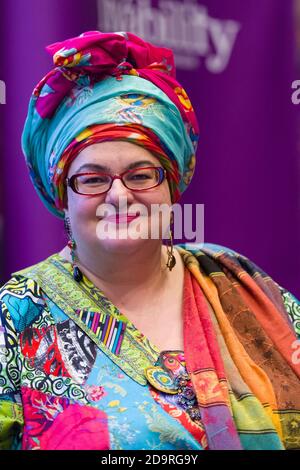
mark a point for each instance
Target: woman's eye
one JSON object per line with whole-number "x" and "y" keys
{"x": 95, "y": 180}
{"x": 139, "y": 176}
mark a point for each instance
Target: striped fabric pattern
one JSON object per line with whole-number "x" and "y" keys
{"x": 108, "y": 329}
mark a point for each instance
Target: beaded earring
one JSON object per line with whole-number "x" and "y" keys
{"x": 171, "y": 258}
{"x": 77, "y": 274}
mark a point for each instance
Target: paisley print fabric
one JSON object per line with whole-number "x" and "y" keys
{"x": 235, "y": 386}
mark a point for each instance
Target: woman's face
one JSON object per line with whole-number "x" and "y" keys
{"x": 89, "y": 215}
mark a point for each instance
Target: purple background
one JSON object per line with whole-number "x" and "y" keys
{"x": 248, "y": 163}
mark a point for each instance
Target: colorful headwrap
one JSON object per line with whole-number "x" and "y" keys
{"x": 108, "y": 86}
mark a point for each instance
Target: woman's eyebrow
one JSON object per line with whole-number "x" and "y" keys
{"x": 97, "y": 167}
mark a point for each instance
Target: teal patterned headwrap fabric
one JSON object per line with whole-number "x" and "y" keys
{"x": 104, "y": 78}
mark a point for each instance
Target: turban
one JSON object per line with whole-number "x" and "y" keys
{"x": 107, "y": 86}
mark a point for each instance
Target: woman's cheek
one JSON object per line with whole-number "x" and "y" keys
{"x": 84, "y": 206}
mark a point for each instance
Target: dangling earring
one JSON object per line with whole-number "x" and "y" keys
{"x": 171, "y": 258}
{"x": 77, "y": 274}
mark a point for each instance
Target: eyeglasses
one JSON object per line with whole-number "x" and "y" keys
{"x": 139, "y": 179}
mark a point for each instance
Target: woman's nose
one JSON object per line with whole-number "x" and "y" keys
{"x": 118, "y": 190}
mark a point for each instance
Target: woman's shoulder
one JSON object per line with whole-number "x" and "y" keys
{"x": 22, "y": 296}
{"x": 21, "y": 280}
{"x": 209, "y": 248}
{"x": 210, "y": 253}
{"x": 17, "y": 286}
{"x": 23, "y": 276}
{"x": 22, "y": 299}
{"x": 220, "y": 253}
{"x": 212, "y": 257}
{"x": 41, "y": 265}
{"x": 216, "y": 258}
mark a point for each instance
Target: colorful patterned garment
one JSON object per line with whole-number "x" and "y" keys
{"x": 76, "y": 374}
{"x": 116, "y": 80}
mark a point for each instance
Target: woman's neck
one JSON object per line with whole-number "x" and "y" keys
{"x": 129, "y": 280}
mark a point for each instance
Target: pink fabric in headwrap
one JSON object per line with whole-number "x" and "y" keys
{"x": 99, "y": 54}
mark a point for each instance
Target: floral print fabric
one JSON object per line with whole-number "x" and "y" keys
{"x": 60, "y": 378}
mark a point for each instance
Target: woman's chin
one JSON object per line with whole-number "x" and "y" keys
{"x": 122, "y": 237}
{"x": 120, "y": 245}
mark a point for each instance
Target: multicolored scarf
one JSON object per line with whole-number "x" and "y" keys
{"x": 240, "y": 352}
{"x": 115, "y": 79}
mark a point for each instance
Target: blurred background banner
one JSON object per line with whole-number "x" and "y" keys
{"x": 237, "y": 60}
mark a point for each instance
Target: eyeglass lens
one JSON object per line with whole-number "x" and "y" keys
{"x": 140, "y": 178}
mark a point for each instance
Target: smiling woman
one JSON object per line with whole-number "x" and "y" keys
{"x": 83, "y": 211}
{"x": 122, "y": 342}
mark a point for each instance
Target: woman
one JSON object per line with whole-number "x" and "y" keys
{"x": 121, "y": 342}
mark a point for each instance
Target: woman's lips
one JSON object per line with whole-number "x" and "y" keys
{"x": 120, "y": 218}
